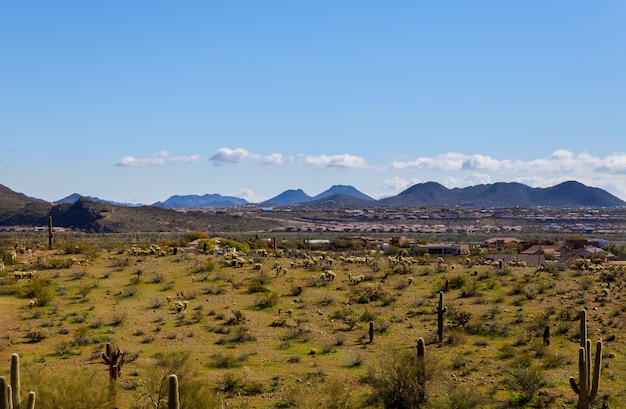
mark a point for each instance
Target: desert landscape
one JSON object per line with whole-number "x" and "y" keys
{"x": 266, "y": 323}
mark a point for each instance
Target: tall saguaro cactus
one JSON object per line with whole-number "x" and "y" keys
{"x": 440, "y": 310}
{"x": 15, "y": 382}
{"x": 588, "y": 381}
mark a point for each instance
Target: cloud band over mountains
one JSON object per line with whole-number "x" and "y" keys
{"x": 458, "y": 169}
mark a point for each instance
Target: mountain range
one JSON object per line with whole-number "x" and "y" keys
{"x": 93, "y": 214}
{"x": 570, "y": 194}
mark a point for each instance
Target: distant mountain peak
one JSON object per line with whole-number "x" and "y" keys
{"x": 289, "y": 197}
{"x": 196, "y": 201}
{"x": 343, "y": 190}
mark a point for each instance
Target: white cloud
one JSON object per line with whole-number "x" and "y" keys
{"x": 249, "y": 195}
{"x": 273, "y": 159}
{"x": 159, "y": 159}
{"x": 345, "y": 161}
{"x": 614, "y": 164}
{"x": 476, "y": 179}
{"x": 237, "y": 156}
{"x": 229, "y": 156}
{"x": 480, "y": 162}
{"x": 446, "y": 161}
{"x": 397, "y": 183}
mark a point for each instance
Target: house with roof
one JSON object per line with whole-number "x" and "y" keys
{"x": 549, "y": 251}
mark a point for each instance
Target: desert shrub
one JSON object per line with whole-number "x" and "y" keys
{"x": 76, "y": 275}
{"x": 49, "y": 263}
{"x": 195, "y": 235}
{"x": 368, "y": 292}
{"x": 40, "y": 289}
{"x": 325, "y": 300}
{"x": 335, "y": 394}
{"x": 195, "y": 393}
{"x": 224, "y": 361}
{"x": 526, "y": 380}
{"x": 295, "y": 290}
{"x": 241, "y": 247}
{"x": 459, "y": 317}
{"x": 35, "y": 335}
{"x": 266, "y": 301}
{"x": 117, "y": 320}
{"x": 367, "y": 316}
{"x": 457, "y": 282}
{"x": 204, "y": 266}
{"x": 240, "y": 334}
{"x": 75, "y": 387}
{"x": 399, "y": 380}
{"x": 459, "y": 396}
{"x": 256, "y": 287}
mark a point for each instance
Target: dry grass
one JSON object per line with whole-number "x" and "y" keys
{"x": 250, "y": 340}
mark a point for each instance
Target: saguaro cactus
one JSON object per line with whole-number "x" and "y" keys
{"x": 173, "y": 399}
{"x": 371, "y": 331}
{"x": 5, "y": 393}
{"x": 421, "y": 370}
{"x": 30, "y": 404}
{"x": 114, "y": 358}
{"x": 546, "y": 335}
{"x": 588, "y": 381}
{"x": 440, "y": 310}
{"x": 10, "y": 390}
{"x": 49, "y": 232}
{"x": 15, "y": 381}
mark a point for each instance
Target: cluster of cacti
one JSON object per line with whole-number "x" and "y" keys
{"x": 440, "y": 311}
{"x": 10, "y": 393}
{"x": 588, "y": 381}
{"x": 114, "y": 358}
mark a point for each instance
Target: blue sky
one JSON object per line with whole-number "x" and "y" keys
{"x": 135, "y": 101}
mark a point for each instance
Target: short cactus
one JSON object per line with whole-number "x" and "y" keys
{"x": 421, "y": 370}
{"x": 546, "y": 335}
{"x": 114, "y": 358}
{"x": 588, "y": 381}
{"x": 173, "y": 399}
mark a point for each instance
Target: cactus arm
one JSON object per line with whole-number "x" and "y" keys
{"x": 583, "y": 380}
{"x": 588, "y": 361}
{"x": 30, "y": 404}
{"x": 575, "y": 387}
{"x": 4, "y": 393}
{"x": 583, "y": 328}
{"x": 596, "y": 372}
